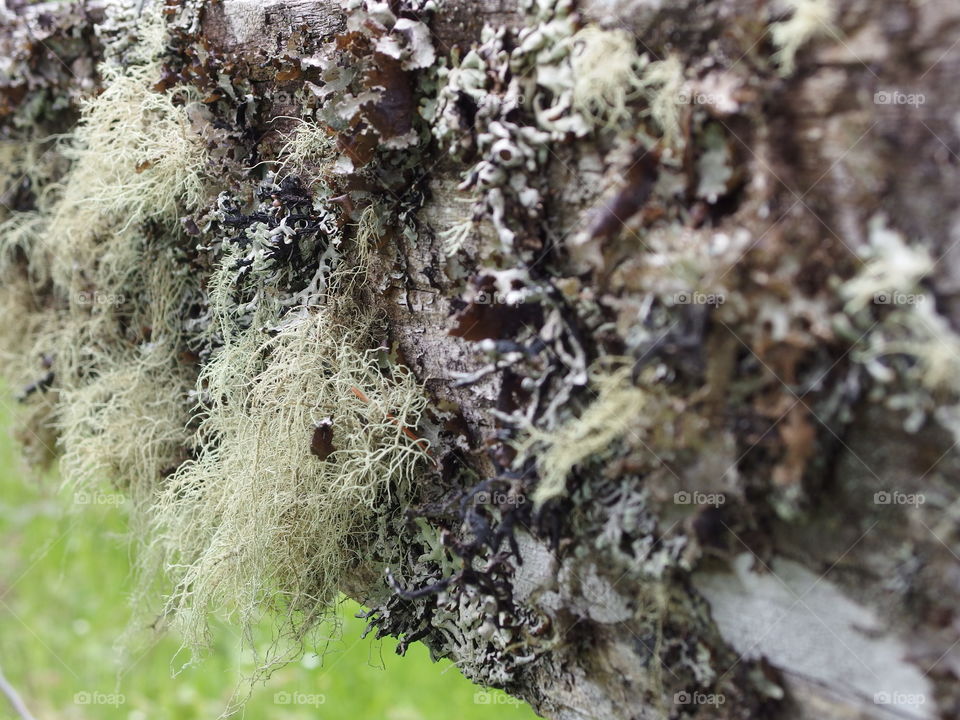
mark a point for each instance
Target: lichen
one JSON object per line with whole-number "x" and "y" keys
{"x": 891, "y": 266}
{"x": 308, "y": 148}
{"x": 607, "y": 74}
{"x": 809, "y": 19}
{"x": 137, "y": 155}
{"x": 617, "y": 411}
{"x": 190, "y": 343}
{"x": 189, "y": 277}
{"x": 257, "y": 521}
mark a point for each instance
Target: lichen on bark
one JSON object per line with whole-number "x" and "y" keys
{"x": 520, "y": 326}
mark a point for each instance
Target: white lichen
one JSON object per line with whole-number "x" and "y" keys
{"x": 891, "y": 266}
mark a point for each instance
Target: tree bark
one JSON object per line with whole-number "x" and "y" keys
{"x": 799, "y": 558}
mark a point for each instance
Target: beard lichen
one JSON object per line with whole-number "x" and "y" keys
{"x": 809, "y": 19}
{"x": 259, "y": 521}
{"x": 310, "y": 150}
{"x": 122, "y": 402}
{"x": 616, "y": 411}
{"x": 193, "y": 350}
{"x": 108, "y": 329}
{"x": 137, "y": 156}
{"x": 607, "y": 74}
{"x": 624, "y": 409}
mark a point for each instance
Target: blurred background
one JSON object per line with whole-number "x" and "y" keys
{"x": 65, "y": 579}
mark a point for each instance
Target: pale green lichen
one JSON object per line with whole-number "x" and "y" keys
{"x": 136, "y": 155}
{"x": 111, "y": 328}
{"x": 125, "y": 422}
{"x": 911, "y": 349}
{"x": 663, "y": 82}
{"x": 607, "y": 74}
{"x": 257, "y": 522}
{"x": 810, "y": 19}
{"x": 309, "y": 150}
{"x": 891, "y": 266}
{"x": 617, "y": 411}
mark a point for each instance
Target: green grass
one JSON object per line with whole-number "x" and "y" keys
{"x": 64, "y": 586}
